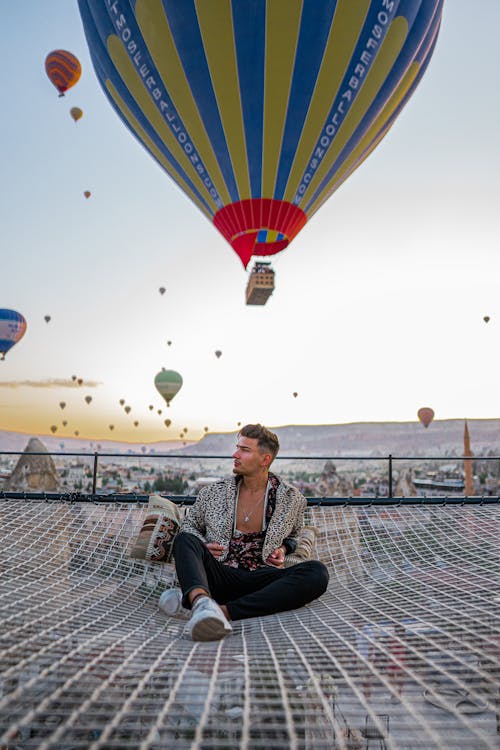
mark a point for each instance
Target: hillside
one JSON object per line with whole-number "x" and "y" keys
{"x": 441, "y": 438}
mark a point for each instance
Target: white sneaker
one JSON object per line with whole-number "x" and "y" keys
{"x": 208, "y": 622}
{"x": 170, "y": 602}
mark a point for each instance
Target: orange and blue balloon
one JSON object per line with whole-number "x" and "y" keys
{"x": 260, "y": 110}
{"x": 12, "y": 328}
{"x": 63, "y": 69}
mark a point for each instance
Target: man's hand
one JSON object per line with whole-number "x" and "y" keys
{"x": 277, "y": 558}
{"x": 215, "y": 548}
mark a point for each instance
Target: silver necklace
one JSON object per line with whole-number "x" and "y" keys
{"x": 248, "y": 516}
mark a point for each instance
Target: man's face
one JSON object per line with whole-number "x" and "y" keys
{"x": 248, "y": 459}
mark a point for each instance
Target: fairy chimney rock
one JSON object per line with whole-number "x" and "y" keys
{"x": 34, "y": 473}
{"x": 331, "y": 484}
{"x": 405, "y": 486}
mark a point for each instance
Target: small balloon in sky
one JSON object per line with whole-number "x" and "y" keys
{"x": 159, "y": 411}
{"x": 77, "y": 432}
{"x": 122, "y": 401}
{"x": 88, "y": 399}
{"x": 47, "y": 318}
{"x": 136, "y": 423}
{"x": 73, "y": 378}
{"x": 162, "y": 290}
{"x": 169, "y": 343}
{"x": 12, "y": 328}
{"x": 206, "y": 429}
{"x": 87, "y": 193}
{"x": 76, "y": 113}
{"x": 168, "y": 383}
{"x": 63, "y": 69}
{"x": 168, "y": 422}
{"x": 65, "y": 422}
{"x": 150, "y": 407}
{"x": 218, "y": 353}
{"x": 111, "y": 427}
{"x": 486, "y": 318}
{"x": 127, "y": 409}
{"x": 295, "y": 394}
{"x": 425, "y": 415}
{"x": 80, "y": 381}
{"x": 62, "y": 404}
{"x": 53, "y": 428}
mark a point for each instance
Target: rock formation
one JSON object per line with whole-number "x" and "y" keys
{"x": 34, "y": 473}
{"x": 404, "y": 485}
{"x": 331, "y": 484}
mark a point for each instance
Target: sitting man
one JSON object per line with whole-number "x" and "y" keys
{"x": 231, "y": 549}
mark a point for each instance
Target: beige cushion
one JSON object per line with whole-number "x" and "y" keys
{"x": 306, "y": 542}
{"x": 155, "y": 539}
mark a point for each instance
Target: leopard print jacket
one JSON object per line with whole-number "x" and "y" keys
{"x": 211, "y": 517}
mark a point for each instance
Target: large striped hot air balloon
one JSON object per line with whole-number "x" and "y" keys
{"x": 63, "y": 69}
{"x": 260, "y": 110}
{"x": 12, "y": 329}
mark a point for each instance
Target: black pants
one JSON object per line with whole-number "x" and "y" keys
{"x": 246, "y": 593}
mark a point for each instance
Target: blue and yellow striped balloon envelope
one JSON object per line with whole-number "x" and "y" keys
{"x": 260, "y": 109}
{"x": 12, "y": 328}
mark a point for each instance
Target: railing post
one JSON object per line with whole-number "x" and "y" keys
{"x": 390, "y": 476}
{"x": 94, "y": 474}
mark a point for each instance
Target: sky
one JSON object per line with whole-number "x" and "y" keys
{"x": 379, "y": 301}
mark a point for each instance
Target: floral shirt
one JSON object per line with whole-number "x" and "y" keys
{"x": 245, "y": 550}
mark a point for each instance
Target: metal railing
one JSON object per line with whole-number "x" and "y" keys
{"x": 390, "y": 459}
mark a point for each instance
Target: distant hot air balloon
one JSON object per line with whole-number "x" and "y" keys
{"x": 218, "y": 353}
{"x": 12, "y": 329}
{"x": 47, "y": 318}
{"x": 150, "y": 407}
{"x": 425, "y": 415}
{"x": 158, "y": 411}
{"x": 169, "y": 343}
{"x": 88, "y": 399}
{"x": 272, "y": 104}
{"x": 136, "y": 423}
{"x": 63, "y": 69}
{"x": 127, "y": 409}
{"x": 77, "y": 432}
{"x": 206, "y": 429}
{"x": 168, "y": 422}
{"x": 295, "y": 394}
{"x": 53, "y": 428}
{"x": 185, "y": 429}
{"x": 80, "y": 381}
{"x": 62, "y": 404}
{"x": 162, "y": 290}
{"x": 73, "y": 378}
{"x": 111, "y": 427}
{"x": 87, "y": 193}
{"x": 76, "y": 113}
{"x": 238, "y": 424}
{"x": 486, "y": 318}
{"x": 168, "y": 383}
{"x": 65, "y": 422}
{"x": 122, "y": 401}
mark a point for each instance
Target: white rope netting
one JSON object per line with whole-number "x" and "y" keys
{"x": 403, "y": 651}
